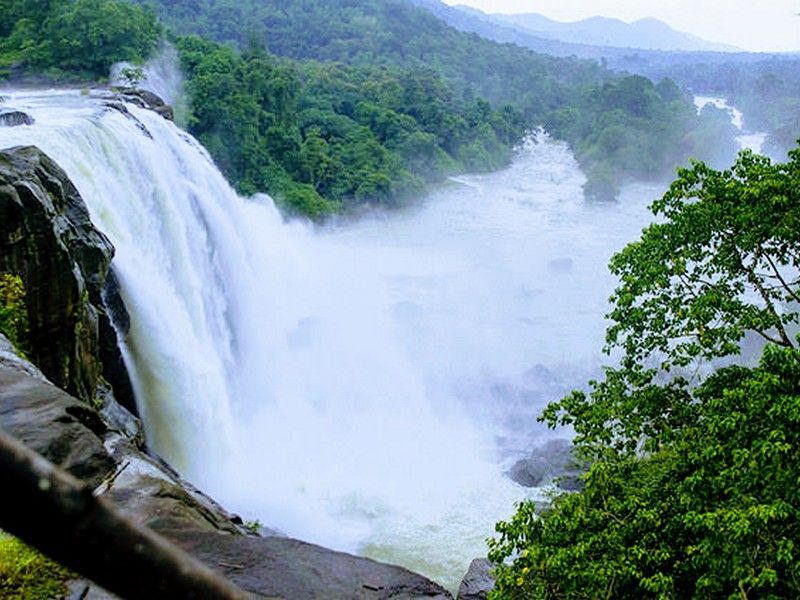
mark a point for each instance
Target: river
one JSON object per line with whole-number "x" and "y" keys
{"x": 363, "y": 385}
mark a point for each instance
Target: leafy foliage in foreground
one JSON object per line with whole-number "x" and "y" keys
{"x": 724, "y": 261}
{"x": 27, "y": 575}
{"x": 714, "y": 513}
{"x": 693, "y": 491}
{"x": 76, "y": 37}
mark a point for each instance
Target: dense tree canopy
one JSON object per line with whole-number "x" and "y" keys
{"x": 693, "y": 488}
{"x": 620, "y": 127}
{"x": 320, "y": 136}
{"x": 724, "y": 261}
{"x": 83, "y": 37}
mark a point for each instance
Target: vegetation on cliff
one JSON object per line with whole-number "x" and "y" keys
{"x": 320, "y": 136}
{"x": 693, "y": 489}
{"x": 74, "y": 38}
{"x": 27, "y": 575}
{"x": 13, "y": 312}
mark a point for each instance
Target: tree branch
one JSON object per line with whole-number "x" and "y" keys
{"x": 780, "y": 278}
{"x": 51, "y": 510}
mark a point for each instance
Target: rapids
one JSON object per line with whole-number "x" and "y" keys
{"x": 363, "y": 385}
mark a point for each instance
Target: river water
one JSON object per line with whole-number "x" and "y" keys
{"x": 363, "y": 385}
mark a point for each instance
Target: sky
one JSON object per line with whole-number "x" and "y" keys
{"x": 756, "y": 25}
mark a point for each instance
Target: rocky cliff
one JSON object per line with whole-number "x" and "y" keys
{"x": 47, "y": 238}
{"x": 79, "y": 439}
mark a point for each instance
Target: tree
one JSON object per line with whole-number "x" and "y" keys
{"x": 132, "y": 76}
{"x": 713, "y": 514}
{"x": 723, "y": 262}
{"x": 692, "y": 492}
{"x": 84, "y": 37}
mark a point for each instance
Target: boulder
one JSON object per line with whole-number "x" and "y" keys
{"x": 149, "y": 100}
{"x": 275, "y": 567}
{"x": 9, "y": 359}
{"x": 14, "y": 118}
{"x": 74, "y": 307}
{"x": 64, "y": 430}
{"x": 552, "y": 462}
{"x": 152, "y": 494}
{"x": 478, "y": 581}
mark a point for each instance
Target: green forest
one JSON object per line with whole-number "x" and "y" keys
{"x": 78, "y": 39}
{"x": 328, "y": 107}
{"x": 621, "y": 128}
{"x": 321, "y": 137}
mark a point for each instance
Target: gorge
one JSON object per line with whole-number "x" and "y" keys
{"x": 363, "y": 384}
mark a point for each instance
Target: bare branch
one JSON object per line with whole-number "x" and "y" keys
{"x": 51, "y": 510}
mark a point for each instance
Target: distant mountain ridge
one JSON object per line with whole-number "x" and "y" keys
{"x": 646, "y": 34}
{"x": 654, "y": 64}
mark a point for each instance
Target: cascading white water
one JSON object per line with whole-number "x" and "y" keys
{"x": 161, "y": 75}
{"x": 364, "y": 385}
{"x": 747, "y": 140}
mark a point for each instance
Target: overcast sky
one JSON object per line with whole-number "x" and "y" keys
{"x": 760, "y": 25}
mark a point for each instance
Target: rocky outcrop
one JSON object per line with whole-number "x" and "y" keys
{"x": 62, "y": 429}
{"x": 478, "y": 581}
{"x": 275, "y": 567}
{"x": 14, "y": 118}
{"x": 552, "y": 462}
{"x": 76, "y": 437}
{"x": 145, "y": 99}
{"x": 47, "y": 238}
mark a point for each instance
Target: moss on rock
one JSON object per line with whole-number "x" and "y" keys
{"x": 25, "y": 574}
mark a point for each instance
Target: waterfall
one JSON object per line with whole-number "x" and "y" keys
{"x": 363, "y": 385}
{"x": 746, "y": 140}
{"x": 267, "y": 361}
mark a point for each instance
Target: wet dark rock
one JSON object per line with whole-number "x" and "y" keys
{"x": 10, "y": 359}
{"x": 147, "y": 99}
{"x": 118, "y": 417}
{"x": 478, "y": 581}
{"x": 121, "y": 108}
{"x": 64, "y": 430}
{"x": 14, "y": 118}
{"x": 47, "y": 238}
{"x": 552, "y": 462}
{"x": 155, "y": 496}
{"x": 82, "y": 589}
{"x": 276, "y": 567}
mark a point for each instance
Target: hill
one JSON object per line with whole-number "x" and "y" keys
{"x": 620, "y": 128}
{"x": 648, "y": 34}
